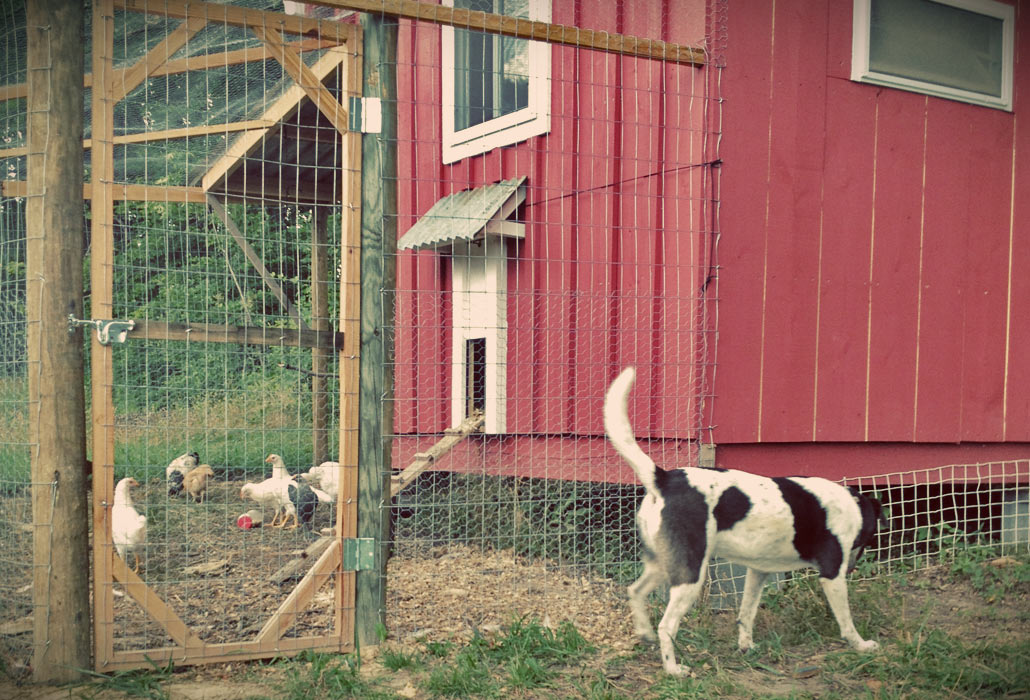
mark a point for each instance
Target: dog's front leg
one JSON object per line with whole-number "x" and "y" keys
{"x": 752, "y": 596}
{"x": 836, "y": 590}
{"x": 681, "y": 598}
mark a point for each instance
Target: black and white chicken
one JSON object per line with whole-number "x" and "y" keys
{"x": 128, "y": 527}
{"x": 304, "y": 502}
{"x": 279, "y": 471}
{"x": 177, "y": 469}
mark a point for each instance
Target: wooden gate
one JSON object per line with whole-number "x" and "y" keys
{"x": 321, "y": 68}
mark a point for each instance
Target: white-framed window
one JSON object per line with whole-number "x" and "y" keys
{"x": 496, "y": 89}
{"x": 957, "y": 49}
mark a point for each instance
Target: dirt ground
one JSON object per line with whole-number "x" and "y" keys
{"x": 444, "y": 594}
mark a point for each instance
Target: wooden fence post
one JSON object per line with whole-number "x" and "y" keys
{"x": 378, "y": 280}
{"x": 54, "y": 219}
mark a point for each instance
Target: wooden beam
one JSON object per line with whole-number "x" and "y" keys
{"x": 156, "y": 608}
{"x": 244, "y": 335}
{"x": 134, "y": 75}
{"x": 255, "y": 260}
{"x": 132, "y": 193}
{"x": 239, "y": 17}
{"x": 227, "y": 652}
{"x": 308, "y": 81}
{"x": 320, "y": 414}
{"x": 423, "y": 460}
{"x": 183, "y": 65}
{"x": 56, "y": 368}
{"x": 347, "y": 515}
{"x": 299, "y": 599}
{"x": 524, "y": 29}
{"x": 285, "y": 104}
{"x": 102, "y": 306}
{"x": 377, "y": 249}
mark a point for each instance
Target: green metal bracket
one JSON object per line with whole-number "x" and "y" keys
{"x": 359, "y": 554}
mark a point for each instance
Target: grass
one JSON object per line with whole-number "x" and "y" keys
{"x": 797, "y": 653}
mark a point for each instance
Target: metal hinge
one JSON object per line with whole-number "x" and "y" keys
{"x": 108, "y": 330}
{"x": 365, "y": 115}
{"x": 359, "y": 554}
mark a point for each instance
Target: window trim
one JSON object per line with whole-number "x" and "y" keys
{"x": 509, "y": 129}
{"x": 860, "y": 71}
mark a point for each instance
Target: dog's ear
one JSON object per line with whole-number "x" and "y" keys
{"x": 881, "y": 517}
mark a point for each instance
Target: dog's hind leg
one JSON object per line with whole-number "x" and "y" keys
{"x": 836, "y": 590}
{"x": 681, "y": 599}
{"x": 752, "y": 596}
{"x": 638, "y": 592}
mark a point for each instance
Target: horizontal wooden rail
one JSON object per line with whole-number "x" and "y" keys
{"x": 243, "y": 335}
{"x": 525, "y": 29}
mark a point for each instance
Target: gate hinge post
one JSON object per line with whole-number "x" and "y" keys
{"x": 359, "y": 554}
{"x": 365, "y": 115}
{"x": 108, "y": 330}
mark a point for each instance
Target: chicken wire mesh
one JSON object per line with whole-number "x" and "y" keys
{"x": 603, "y": 254}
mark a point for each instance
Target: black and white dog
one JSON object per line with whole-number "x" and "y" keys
{"x": 768, "y": 525}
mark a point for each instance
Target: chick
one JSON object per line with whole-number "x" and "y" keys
{"x": 128, "y": 527}
{"x": 196, "y": 482}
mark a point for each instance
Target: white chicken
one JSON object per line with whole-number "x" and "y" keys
{"x": 177, "y": 469}
{"x": 271, "y": 493}
{"x": 279, "y": 471}
{"x": 128, "y": 527}
{"x": 326, "y": 480}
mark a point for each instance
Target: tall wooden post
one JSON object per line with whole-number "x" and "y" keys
{"x": 320, "y": 323}
{"x": 54, "y": 253}
{"x": 378, "y": 281}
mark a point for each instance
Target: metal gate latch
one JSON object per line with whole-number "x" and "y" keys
{"x": 108, "y": 330}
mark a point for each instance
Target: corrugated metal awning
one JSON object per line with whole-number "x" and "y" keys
{"x": 468, "y": 215}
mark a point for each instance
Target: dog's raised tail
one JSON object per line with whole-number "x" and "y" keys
{"x": 619, "y": 431}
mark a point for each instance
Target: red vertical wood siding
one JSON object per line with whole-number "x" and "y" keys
{"x": 874, "y": 260}
{"x": 611, "y": 264}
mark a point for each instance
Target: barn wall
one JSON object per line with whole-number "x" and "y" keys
{"x": 613, "y": 256}
{"x": 875, "y": 271}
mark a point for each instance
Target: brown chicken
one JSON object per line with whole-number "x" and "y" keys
{"x": 196, "y": 481}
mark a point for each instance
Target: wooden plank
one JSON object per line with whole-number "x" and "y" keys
{"x": 320, "y": 414}
{"x": 56, "y": 367}
{"x": 524, "y": 29}
{"x": 349, "y": 321}
{"x": 300, "y": 597}
{"x": 239, "y": 17}
{"x": 135, "y": 193}
{"x": 227, "y": 652}
{"x": 308, "y": 81}
{"x": 132, "y": 76}
{"x": 156, "y": 608}
{"x": 282, "y": 106}
{"x": 102, "y": 371}
{"x": 243, "y": 335}
{"x": 423, "y": 460}
{"x": 373, "y": 244}
{"x": 194, "y": 131}
{"x": 292, "y": 568}
{"x": 183, "y": 65}
{"x": 255, "y": 260}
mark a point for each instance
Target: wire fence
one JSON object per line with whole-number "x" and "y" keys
{"x": 557, "y": 219}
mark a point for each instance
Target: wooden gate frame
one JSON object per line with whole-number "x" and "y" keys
{"x": 108, "y": 87}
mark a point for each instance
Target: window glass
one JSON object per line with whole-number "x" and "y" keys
{"x": 961, "y": 49}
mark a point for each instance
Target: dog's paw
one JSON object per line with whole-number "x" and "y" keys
{"x": 867, "y": 645}
{"x": 677, "y": 670}
{"x": 647, "y": 636}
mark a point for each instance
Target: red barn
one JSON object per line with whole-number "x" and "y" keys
{"x": 812, "y": 246}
